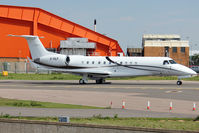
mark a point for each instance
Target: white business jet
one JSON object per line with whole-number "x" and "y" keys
{"x": 100, "y": 67}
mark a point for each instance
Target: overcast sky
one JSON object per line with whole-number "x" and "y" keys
{"x": 127, "y": 20}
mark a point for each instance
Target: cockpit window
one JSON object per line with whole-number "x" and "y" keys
{"x": 165, "y": 62}
{"x": 172, "y": 62}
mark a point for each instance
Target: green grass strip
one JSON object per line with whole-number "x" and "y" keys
{"x": 37, "y": 104}
{"x": 24, "y": 76}
{"x": 60, "y": 76}
{"x": 160, "y": 123}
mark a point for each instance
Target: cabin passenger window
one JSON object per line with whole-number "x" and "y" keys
{"x": 93, "y": 62}
{"x": 99, "y": 62}
{"x": 121, "y": 63}
{"x": 131, "y": 63}
{"x": 87, "y": 62}
{"x": 109, "y": 62}
{"x": 82, "y": 62}
{"x": 104, "y": 62}
{"x": 165, "y": 62}
{"x": 126, "y": 63}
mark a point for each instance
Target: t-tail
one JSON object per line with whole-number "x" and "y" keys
{"x": 37, "y": 49}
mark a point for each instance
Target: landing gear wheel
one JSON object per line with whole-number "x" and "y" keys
{"x": 179, "y": 82}
{"x": 100, "y": 81}
{"x": 81, "y": 81}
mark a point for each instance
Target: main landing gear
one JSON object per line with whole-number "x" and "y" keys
{"x": 100, "y": 81}
{"x": 81, "y": 81}
{"x": 84, "y": 79}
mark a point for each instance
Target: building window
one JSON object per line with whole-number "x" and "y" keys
{"x": 166, "y": 49}
{"x": 183, "y": 49}
{"x": 174, "y": 49}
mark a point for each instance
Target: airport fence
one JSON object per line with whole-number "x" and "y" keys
{"x": 19, "y": 67}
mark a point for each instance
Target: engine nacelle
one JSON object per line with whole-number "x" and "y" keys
{"x": 53, "y": 60}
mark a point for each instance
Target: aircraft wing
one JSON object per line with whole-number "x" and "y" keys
{"x": 80, "y": 71}
{"x": 74, "y": 71}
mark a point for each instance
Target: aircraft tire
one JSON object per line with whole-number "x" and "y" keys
{"x": 81, "y": 81}
{"x": 179, "y": 82}
{"x": 100, "y": 81}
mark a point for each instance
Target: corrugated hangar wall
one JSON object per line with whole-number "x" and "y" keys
{"x": 34, "y": 21}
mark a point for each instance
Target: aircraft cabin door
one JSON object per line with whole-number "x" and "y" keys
{"x": 167, "y": 68}
{"x": 115, "y": 69}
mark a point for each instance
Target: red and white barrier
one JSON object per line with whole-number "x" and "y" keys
{"x": 148, "y": 105}
{"x": 171, "y": 106}
{"x": 194, "y": 106}
{"x": 123, "y": 104}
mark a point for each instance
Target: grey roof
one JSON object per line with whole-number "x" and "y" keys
{"x": 77, "y": 43}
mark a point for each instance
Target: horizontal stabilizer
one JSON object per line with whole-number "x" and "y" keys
{"x": 25, "y": 36}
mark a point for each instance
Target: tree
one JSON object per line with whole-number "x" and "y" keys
{"x": 194, "y": 59}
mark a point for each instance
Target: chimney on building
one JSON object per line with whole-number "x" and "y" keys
{"x": 95, "y": 22}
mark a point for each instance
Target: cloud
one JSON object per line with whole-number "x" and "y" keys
{"x": 127, "y": 19}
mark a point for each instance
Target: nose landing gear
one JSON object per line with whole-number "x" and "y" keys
{"x": 179, "y": 82}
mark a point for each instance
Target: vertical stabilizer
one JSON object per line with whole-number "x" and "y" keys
{"x": 36, "y": 47}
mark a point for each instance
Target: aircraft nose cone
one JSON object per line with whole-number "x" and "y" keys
{"x": 193, "y": 73}
{"x": 186, "y": 70}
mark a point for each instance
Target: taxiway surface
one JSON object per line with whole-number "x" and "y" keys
{"x": 135, "y": 93}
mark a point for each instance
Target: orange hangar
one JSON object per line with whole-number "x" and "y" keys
{"x": 35, "y": 21}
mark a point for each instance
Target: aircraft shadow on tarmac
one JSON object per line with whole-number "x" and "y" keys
{"x": 77, "y": 84}
{"x": 158, "y": 83}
